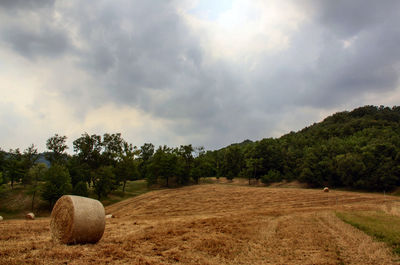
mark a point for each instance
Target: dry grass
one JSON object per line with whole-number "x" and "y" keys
{"x": 212, "y": 224}
{"x": 391, "y": 207}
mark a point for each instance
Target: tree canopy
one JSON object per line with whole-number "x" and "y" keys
{"x": 359, "y": 149}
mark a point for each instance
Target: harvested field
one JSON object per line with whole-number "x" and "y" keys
{"x": 212, "y": 224}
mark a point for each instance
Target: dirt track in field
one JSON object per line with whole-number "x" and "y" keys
{"x": 212, "y": 224}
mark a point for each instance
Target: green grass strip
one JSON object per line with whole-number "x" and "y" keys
{"x": 380, "y": 225}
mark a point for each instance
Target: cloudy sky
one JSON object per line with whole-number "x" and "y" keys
{"x": 203, "y": 72}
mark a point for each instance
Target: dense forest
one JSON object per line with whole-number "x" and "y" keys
{"x": 358, "y": 149}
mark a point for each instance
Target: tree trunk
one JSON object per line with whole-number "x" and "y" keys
{"x": 255, "y": 172}
{"x": 123, "y": 187}
{"x": 33, "y": 200}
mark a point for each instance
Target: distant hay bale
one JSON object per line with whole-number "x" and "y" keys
{"x": 108, "y": 216}
{"x": 326, "y": 189}
{"x": 1, "y": 218}
{"x": 30, "y": 216}
{"x": 77, "y": 220}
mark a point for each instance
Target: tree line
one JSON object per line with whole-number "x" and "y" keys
{"x": 99, "y": 163}
{"x": 358, "y": 149}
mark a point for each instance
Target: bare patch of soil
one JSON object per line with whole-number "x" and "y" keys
{"x": 289, "y": 184}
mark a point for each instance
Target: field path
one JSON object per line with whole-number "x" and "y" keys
{"x": 212, "y": 224}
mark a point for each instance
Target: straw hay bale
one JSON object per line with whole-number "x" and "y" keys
{"x": 326, "y": 189}
{"x": 108, "y": 216}
{"x": 77, "y": 220}
{"x": 30, "y": 216}
{"x": 1, "y": 218}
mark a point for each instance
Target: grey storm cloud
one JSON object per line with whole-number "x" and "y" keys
{"x": 28, "y": 27}
{"x": 157, "y": 65}
{"x": 369, "y": 64}
{"x": 137, "y": 48}
{"x": 47, "y": 42}
{"x": 143, "y": 54}
{"x": 25, "y": 4}
{"x": 318, "y": 70}
{"x": 348, "y": 18}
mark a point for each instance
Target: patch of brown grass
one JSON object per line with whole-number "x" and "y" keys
{"x": 212, "y": 224}
{"x": 391, "y": 207}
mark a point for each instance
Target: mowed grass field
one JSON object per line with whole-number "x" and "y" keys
{"x": 214, "y": 224}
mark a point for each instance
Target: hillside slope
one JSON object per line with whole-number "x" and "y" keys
{"x": 213, "y": 224}
{"x": 359, "y": 149}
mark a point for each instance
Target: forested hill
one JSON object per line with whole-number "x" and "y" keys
{"x": 358, "y": 149}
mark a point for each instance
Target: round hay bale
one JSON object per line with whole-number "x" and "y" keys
{"x": 30, "y": 216}
{"x": 326, "y": 189}
{"x": 77, "y": 220}
{"x": 1, "y": 218}
{"x": 108, "y": 216}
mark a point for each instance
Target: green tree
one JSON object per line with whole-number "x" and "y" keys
{"x": 233, "y": 162}
{"x": 36, "y": 174}
{"x": 104, "y": 181}
{"x": 113, "y": 145}
{"x": 253, "y": 166}
{"x": 57, "y": 183}
{"x": 216, "y": 161}
{"x": 269, "y": 150}
{"x": 88, "y": 149}
{"x": 350, "y": 168}
{"x": 203, "y": 168}
{"x": 80, "y": 189}
{"x": 79, "y": 171}
{"x": 126, "y": 168}
{"x": 3, "y": 160}
{"x": 29, "y": 158}
{"x": 1, "y": 183}
{"x": 185, "y": 153}
{"x": 272, "y": 176}
{"x": 163, "y": 166}
{"x": 146, "y": 153}
{"x": 14, "y": 167}
{"x": 57, "y": 145}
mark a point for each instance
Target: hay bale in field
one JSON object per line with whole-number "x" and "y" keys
{"x": 1, "y": 218}
{"x": 77, "y": 220}
{"x": 326, "y": 189}
{"x": 108, "y": 216}
{"x": 30, "y": 216}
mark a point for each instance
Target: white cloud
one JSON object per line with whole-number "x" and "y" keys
{"x": 347, "y": 43}
{"x": 248, "y": 29}
{"x": 139, "y": 126}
